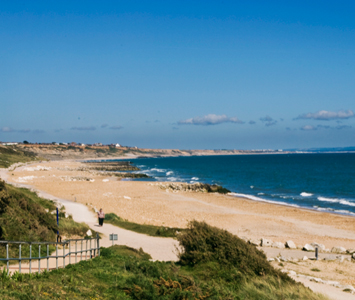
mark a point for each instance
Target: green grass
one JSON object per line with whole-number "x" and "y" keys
{"x": 23, "y": 217}
{"x": 124, "y": 273}
{"x": 315, "y": 270}
{"x": 151, "y": 230}
{"x": 10, "y": 155}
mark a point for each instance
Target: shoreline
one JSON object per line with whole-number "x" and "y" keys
{"x": 252, "y": 197}
{"x": 151, "y": 205}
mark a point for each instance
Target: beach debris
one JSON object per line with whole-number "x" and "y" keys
{"x": 330, "y": 258}
{"x": 126, "y": 197}
{"x": 338, "y": 250}
{"x": 278, "y": 245}
{"x": 284, "y": 259}
{"x": 254, "y": 242}
{"x": 75, "y": 178}
{"x": 291, "y": 245}
{"x": 308, "y": 247}
{"x": 266, "y": 242}
{"x": 38, "y": 168}
{"x": 26, "y": 178}
{"x": 89, "y": 233}
{"x": 320, "y": 246}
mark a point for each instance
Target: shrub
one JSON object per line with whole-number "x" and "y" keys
{"x": 202, "y": 243}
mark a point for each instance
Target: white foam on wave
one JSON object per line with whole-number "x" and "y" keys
{"x": 195, "y": 178}
{"x": 169, "y": 173}
{"x": 251, "y": 186}
{"x": 172, "y": 179}
{"x": 336, "y": 200}
{"x": 251, "y": 197}
{"x": 304, "y": 194}
{"x": 158, "y": 170}
{"x": 340, "y": 211}
{"x": 260, "y": 194}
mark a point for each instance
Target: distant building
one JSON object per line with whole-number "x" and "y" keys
{"x": 9, "y": 144}
{"x": 117, "y": 145}
{"x": 98, "y": 144}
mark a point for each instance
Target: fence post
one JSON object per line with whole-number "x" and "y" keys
{"x": 19, "y": 256}
{"x": 98, "y": 244}
{"x": 90, "y": 250}
{"x": 76, "y": 253}
{"x": 39, "y": 259}
{"x": 86, "y": 253}
{"x": 47, "y": 257}
{"x": 63, "y": 255}
{"x": 30, "y": 258}
{"x": 7, "y": 257}
{"x": 69, "y": 253}
{"x": 81, "y": 251}
{"x": 56, "y": 255}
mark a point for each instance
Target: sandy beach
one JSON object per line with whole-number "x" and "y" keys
{"x": 149, "y": 203}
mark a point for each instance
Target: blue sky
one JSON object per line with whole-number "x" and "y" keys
{"x": 179, "y": 74}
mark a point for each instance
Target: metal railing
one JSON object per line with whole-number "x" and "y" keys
{"x": 90, "y": 248}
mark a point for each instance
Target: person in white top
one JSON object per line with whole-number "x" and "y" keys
{"x": 101, "y": 216}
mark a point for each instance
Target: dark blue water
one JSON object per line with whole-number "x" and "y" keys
{"x": 317, "y": 181}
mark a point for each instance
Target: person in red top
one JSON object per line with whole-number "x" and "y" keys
{"x": 101, "y": 216}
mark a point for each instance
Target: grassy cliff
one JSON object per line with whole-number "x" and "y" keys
{"x": 213, "y": 264}
{"x": 11, "y": 155}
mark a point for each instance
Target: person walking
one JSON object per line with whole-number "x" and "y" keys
{"x": 101, "y": 216}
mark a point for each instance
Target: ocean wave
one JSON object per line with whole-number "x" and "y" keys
{"x": 336, "y": 200}
{"x": 172, "y": 179}
{"x": 339, "y": 211}
{"x": 251, "y": 197}
{"x": 169, "y": 173}
{"x": 251, "y": 186}
{"x": 260, "y": 194}
{"x": 158, "y": 170}
{"x": 195, "y": 178}
{"x": 304, "y": 194}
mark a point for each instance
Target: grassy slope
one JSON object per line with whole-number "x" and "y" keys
{"x": 11, "y": 155}
{"x": 124, "y": 273}
{"x": 23, "y": 217}
{"x": 151, "y": 230}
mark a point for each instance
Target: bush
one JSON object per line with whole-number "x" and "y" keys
{"x": 202, "y": 243}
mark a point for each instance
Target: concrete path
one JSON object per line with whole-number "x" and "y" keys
{"x": 163, "y": 249}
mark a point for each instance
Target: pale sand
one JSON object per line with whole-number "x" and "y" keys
{"x": 151, "y": 205}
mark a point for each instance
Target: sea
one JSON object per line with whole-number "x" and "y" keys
{"x": 319, "y": 181}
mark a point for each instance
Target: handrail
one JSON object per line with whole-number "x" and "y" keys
{"x": 92, "y": 251}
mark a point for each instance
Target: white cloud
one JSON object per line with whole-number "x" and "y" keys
{"x": 268, "y": 121}
{"x": 210, "y": 119}
{"x": 7, "y": 129}
{"x": 327, "y": 115}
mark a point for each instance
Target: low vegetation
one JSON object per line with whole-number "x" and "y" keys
{"x": 10, "y": 155}
{"x": 24, "y": 216}
{"x": 151, "y": 230}
{"x": 229, "y": 271}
